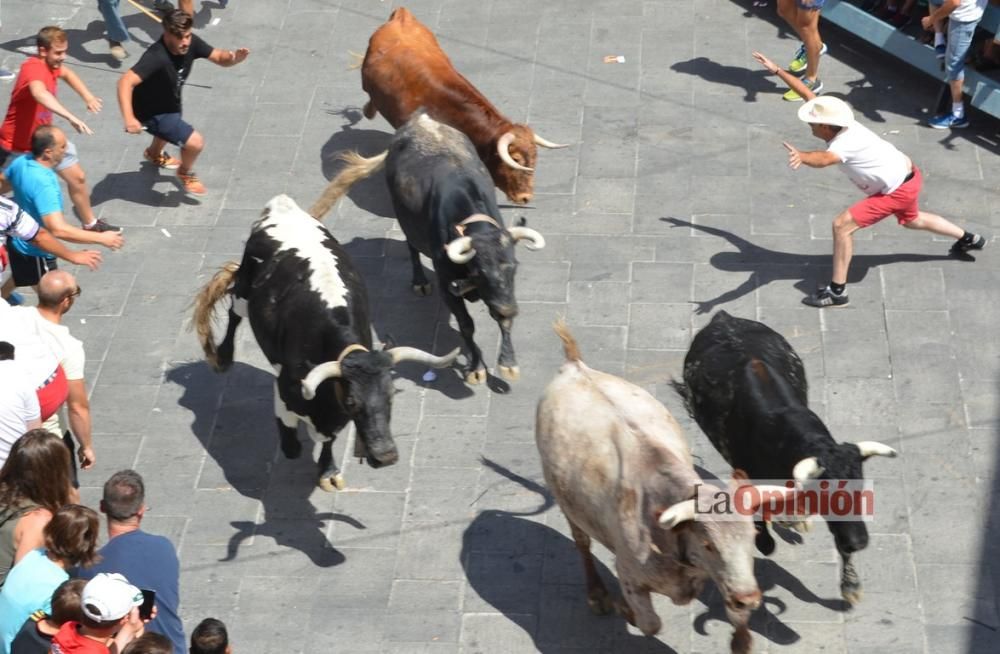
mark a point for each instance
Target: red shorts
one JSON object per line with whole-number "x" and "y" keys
{"x": 52, "y": 393}
{"x": 902, "y": 203}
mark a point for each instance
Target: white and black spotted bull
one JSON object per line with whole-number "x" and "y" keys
{"x": 621, "y": 470}
{"x": 308, "y": 308}
{"x": 445, "y": 204}
{"x": 746, "y": 388}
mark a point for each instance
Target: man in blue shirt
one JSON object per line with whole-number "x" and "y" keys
{"x": 147, "y": 561}
{"x": 37, "y": 192}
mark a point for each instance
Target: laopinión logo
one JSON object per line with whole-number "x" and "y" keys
{"x": 836, "y": 500}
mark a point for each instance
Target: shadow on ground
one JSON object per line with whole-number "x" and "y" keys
{"x": 765, "y": 266}
{"x": 545, "y": 593}
{"x": 370, "y": 194}
{"x": 238, "y": 432}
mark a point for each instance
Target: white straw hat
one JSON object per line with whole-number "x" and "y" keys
{"x": 827, "y": 110}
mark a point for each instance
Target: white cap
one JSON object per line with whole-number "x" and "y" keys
{"x": 109, "y": 597}
{"x": 827, "y": 110}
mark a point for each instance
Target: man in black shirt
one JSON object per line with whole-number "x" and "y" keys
{"x": 149, "y": 95}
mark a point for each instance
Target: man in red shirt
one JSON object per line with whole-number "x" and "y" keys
{"x": 32, "y": 103}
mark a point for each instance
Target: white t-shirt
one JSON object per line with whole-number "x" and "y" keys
{"x": 873, "y": 164}
{"x": 69, "y": 351}
{"x": 18, "y": 405}
{"x": 31, "y": 346}
{"x": 968, "y": 11}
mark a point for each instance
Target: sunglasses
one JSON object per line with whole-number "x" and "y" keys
{"x": 76, "y": 293}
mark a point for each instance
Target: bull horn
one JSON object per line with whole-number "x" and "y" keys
{"x": 535, "y": 241}
{"x": 545, "y": 143}
{"x": 676, "y": 514}
{"x": 400, "y": 354}
{"x": 502, "y": 144}
{"x": 319, "y": 374}
{"x": 874, "y": 448}
{"x": 460, "y": 250}
{"x": 806, "y": 469}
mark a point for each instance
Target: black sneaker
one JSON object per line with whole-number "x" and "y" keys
{"x": 102, "y": 226}
{"x": 825, "y": 297}
{"x": 978, "y": 243}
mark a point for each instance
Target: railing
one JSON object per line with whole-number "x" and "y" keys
{"x": 983, "y": 91}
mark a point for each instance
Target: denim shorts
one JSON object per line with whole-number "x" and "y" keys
{"x": 70, "y": 158}
{"x": 959, "y": 41}
{"x": 812, "y": 4}
{"x": 169, "y": 127}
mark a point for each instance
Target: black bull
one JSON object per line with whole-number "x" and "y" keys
{"x": 308, "y": 308}
{"x": 445, "y": 203}
{"x": 746, "y": 388}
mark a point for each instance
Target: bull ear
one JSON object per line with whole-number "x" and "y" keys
{"x": 634, "y": 525}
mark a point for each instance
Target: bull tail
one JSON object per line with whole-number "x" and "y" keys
{"x": 204, "y": 305}
{"x": 356, "y": 60}
{"x": 570, "y": 348}
{"x": 357, "y": 168}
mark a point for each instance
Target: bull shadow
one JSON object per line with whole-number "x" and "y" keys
{"x": 532, "y": 574}
{"x": 765, "y": 266}
{"x": 233, "y": 418}
{"x": 371, "y": 194}
{"x": 400, "y": 317}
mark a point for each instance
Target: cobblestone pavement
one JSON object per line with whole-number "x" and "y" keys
{"x": 673, "y": 201}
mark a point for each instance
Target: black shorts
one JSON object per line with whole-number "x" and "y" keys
{"x": 169, "y": 127}
{"x": 28, "y": 270}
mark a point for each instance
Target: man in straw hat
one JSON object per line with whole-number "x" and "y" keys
{"x": 890, "y": 180}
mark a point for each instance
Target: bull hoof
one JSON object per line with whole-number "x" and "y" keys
{"x": 601, "y": 603}
{"x": 423, "y": 290}
{"x": 369, "y": 110}
{"x": 764, "y": 542}
{"x": 332, "y": 483}
{"x": 852, "y": 593}
{"x": 623, "y": 609}
{"x": 510, "y": 373}
{"x": 742, "y": 642}
{"x": 476, "y": 377}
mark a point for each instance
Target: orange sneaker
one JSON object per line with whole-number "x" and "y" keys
{"x": 163, "y": 160}
{"x": 192, "y": 185}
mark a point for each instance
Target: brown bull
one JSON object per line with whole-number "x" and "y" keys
{"x": 405, "y": 69}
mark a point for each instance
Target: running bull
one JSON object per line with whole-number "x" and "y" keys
{"x": 405, "y": 69}
{"x": 621, "y": 470}
{"x": 308, "y": 308}
{"x": 746, "y": 388}
{"x": 446, "y": 206}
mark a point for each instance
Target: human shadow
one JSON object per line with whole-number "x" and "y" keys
{"x": 90, "y": 46}
{"x": 233, "y": 418}
{"x": 370, "y": 194}
{"x": 765, "y": 266}
{"x": 751, "y": 81}
{"x": 136, "y": 186}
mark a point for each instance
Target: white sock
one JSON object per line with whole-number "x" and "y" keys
{"x": 958, "y": 109}
{"x": 938, "y": 38}
{"x": 91, "y": 224}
